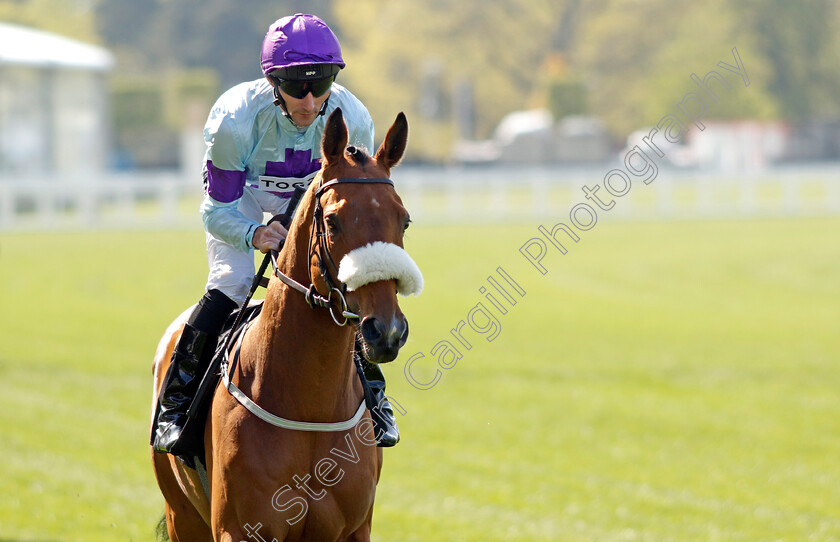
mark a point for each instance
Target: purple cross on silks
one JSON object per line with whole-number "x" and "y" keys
{"x": 297, "y": 164}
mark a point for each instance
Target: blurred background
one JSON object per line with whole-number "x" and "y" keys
{"x": 95, "y": 93}
{"x": 673, "y": 377}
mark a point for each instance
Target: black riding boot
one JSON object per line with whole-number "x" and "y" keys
{"x": 190, "y": 360}
{"x": 384, "y": 420}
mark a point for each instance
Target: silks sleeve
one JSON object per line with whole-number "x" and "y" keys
{"x": 224, "y": 184}
{"x": 224, "y": 221}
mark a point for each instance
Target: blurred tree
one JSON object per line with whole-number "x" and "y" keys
{"x": 71, "y": 18}
{"x": 497, "y": 46}
{"x": 566, "y": 96}
{"x": 155, "y": 35}
{"x": 626, "y": 61}
{"x": 560, "y": 88}
{"x": 800, "y": 42}
{"x": 151, "y": 111}
{"x": 173, "y": 60}
{"x": 638, "y": 57}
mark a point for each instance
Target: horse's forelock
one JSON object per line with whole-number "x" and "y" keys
{"x": 359, "y": 154}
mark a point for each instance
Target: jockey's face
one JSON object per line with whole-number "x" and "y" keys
{"x": 304, "y": 110}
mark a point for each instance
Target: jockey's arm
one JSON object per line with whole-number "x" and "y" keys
{"x": 224, "y": 182}
{"x": 224, "y": 221}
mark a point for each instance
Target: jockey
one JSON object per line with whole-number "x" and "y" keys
{"x": 262, "y": 137}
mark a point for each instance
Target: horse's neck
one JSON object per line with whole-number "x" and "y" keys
{"x": 301, "y": 351}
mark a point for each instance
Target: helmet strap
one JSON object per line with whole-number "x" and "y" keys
{"x": 323, "y": 110}
{"x": 279, "y": 101}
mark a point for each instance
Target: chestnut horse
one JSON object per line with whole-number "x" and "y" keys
{"x": 270, "y": 482}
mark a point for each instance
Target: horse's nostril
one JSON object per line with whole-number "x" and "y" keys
{"x": 372, "y": 330}
{"x": 404, "y": 333}
{"x": 397, "y": 334}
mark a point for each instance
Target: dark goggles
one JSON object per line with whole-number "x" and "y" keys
{"x": 299, "y": 89}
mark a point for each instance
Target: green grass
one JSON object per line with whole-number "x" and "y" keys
{"x": 666, "y": 381}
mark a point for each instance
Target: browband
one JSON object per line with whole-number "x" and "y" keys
{"x": 359, "y": 180}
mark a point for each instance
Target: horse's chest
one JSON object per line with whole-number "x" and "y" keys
{"x": 332, "y": 491}
{"x": 311, "y": 494}
{"x": 338, "y": 514}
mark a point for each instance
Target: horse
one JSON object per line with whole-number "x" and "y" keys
{"x": 295, "y": 360}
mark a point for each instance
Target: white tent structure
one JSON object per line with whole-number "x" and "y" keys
{"x": 53, "y": 105}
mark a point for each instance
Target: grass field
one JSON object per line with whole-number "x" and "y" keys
{"x": 666, "y": 381}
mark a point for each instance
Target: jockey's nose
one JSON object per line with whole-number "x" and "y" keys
{"x": 308, "y": 101}
{"x": 385, "y": 339}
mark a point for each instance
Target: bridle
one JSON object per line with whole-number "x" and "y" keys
{"x": 313, "y": 299}
{"x": 326, "y": 264}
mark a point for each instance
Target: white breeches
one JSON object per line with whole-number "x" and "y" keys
{"x": 231, "y": 270}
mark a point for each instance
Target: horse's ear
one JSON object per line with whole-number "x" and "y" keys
{"x": 335, "y": 137}
{"x": 392, "y": 149}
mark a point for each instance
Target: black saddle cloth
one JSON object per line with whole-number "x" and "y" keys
{"x": 229, "y": 335}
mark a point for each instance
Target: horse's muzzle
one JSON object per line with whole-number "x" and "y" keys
{"x": 382, "y": 342}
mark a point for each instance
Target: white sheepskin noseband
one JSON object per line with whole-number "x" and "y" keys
{"x": 380, "y": 261}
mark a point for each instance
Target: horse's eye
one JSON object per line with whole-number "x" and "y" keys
{"x": 332, "y": 224}
{"x": 407, "y": 224}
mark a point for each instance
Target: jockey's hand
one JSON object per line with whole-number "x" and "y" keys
{"x": 268, "y": 238}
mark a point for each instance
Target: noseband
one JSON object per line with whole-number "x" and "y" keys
{"x": 326, "y": 264}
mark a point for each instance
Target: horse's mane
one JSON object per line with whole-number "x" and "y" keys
{"x": 304, "y": 210}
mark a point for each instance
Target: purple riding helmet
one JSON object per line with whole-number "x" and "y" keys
{"x": 301, "y": 40}
{"x": 300, "y": 54}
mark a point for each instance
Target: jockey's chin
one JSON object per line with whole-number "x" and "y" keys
{"x": 304, "y": 111}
